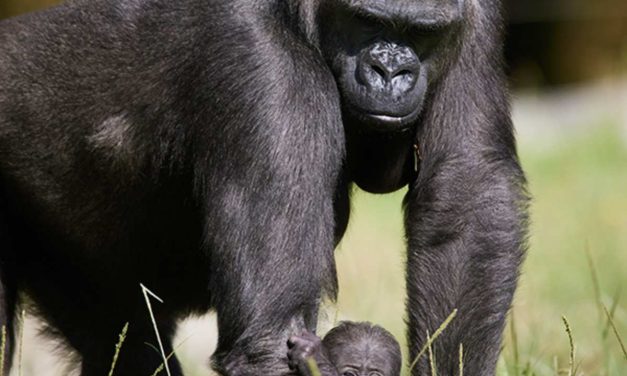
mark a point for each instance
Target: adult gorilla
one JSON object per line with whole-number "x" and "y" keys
{"x": 206, "y": 147}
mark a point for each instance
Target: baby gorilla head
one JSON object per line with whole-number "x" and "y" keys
{"x": 363, "y": 349}
{"x": 350, "y": 349}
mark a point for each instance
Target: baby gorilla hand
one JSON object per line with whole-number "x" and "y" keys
{"x": 304, "y": 347}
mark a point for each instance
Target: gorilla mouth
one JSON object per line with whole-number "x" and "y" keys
{"x": 381, "y": 112}
{"x": 392, "y": 119}
{"x": 387, "y": 121}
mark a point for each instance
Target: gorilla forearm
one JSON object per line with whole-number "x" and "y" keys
{"x": 466, "y": 228}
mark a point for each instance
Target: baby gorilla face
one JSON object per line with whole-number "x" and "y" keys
{"x": 362, "y": 359}
{"x": 350, "y": 349}
{"x": 362, "y": 349}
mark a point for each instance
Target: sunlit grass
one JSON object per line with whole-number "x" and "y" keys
{"x": 580, "y": 203}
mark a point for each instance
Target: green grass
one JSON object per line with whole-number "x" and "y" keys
{"x": 580, "y": 206}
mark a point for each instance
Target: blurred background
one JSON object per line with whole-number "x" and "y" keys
{"x": 567, "y": 60}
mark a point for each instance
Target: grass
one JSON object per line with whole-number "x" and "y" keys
{"x": 118, "y": 347}
{"x": 618, "y": 337}
{"x": 571, "y": 346}
{"x": 3, "y": 344}
{"x": 577, "y": 250}
{"x": 430, "y": 340}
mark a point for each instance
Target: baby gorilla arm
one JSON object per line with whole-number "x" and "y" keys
{"x": 309, "y": 346}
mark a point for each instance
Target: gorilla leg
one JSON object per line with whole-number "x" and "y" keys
{"x": 273, "y": 261}
{"x": 273, "y": 221}
{"x": 270, "y": 276}
{"x": 464, "y": 253}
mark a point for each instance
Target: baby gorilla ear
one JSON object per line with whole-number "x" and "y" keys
{"x": 305, "y": 347}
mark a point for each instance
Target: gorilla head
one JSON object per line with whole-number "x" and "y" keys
{"x": 386, "y": 54}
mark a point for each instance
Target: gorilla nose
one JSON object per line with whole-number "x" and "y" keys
{"x": 389, "y": 66}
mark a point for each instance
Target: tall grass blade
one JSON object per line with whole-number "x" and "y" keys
{"x": 146, "y": 293}
{"x": 118, "y": 347}
{"x": 615, "y": 301}
{"x": 571, "y": 358}
{"x": 618, "y": 337}
{"x": 434, "y": 370}
{"x": 158, "y": 370}
{"x": 313, "y": 367}
{"x": 514, "y": 335}
{"x": 171, "y": 354}
{"x": 461, "y": 359}
{"x": 336, "y": 316}
{"x": 3, "y": 348}
{"x": 20, "y": 343}
{"x": 436, "y": 334}
{"x": 595, "y": 282}
{"x": 162, "y": 365}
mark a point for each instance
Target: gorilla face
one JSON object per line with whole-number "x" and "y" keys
{"x": 386, "y": 54}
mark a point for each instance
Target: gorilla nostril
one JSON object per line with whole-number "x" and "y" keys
{"x": 380, "y": 71}
{"x": 404, "y": 72}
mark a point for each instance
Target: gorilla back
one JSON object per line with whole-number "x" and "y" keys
{"x": 205, "y": 148}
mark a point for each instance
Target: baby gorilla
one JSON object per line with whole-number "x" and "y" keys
{"x": 350, "y": 349}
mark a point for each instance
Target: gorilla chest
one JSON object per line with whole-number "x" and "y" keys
{"x": 381, "y": 163}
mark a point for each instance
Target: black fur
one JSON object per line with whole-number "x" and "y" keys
{"x": 205, "y": 149}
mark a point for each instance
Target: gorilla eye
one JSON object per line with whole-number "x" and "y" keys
{"x": 367, "y": 19}
{"x": 349, "y": 373}
{"x": 426, "y": 40}
{"x": 426, "y": 33}
{"x": 368, "y": 23}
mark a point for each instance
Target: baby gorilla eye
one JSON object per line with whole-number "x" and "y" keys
{"x": 375, "y": 373}
{"x": 349, "y": 372}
